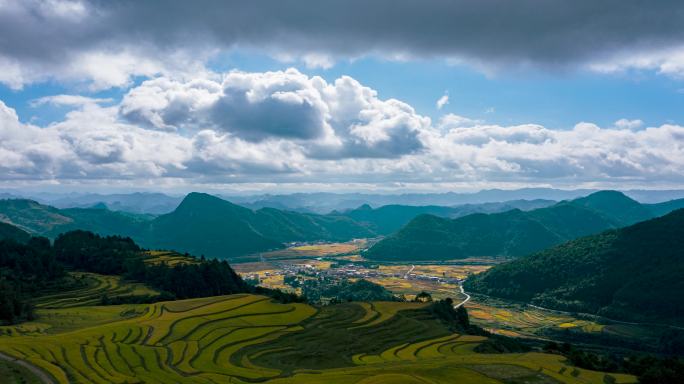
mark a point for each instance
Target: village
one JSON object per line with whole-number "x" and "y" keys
{"x": 315, "y": 269}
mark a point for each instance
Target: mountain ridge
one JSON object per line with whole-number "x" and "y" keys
{"x": 511, "y": 234}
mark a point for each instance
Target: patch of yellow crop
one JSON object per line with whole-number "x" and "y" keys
{"x": 479, "y": 314}
{"x": 506, "y": 332}
{"x": 593, "y": 327}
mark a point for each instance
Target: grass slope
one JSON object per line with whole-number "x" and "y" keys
{"x": 634, "y": 273}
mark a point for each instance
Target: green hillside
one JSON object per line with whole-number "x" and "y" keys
{"x": 634, "y": 273}
{"x": 206, "y": 225}
{"x": 45, "y": 220}
{"x": 293, "y": 226}
{"x": 388, "y": 219}
{"x": 616, "y": 206}
{"x": 102, "y": 221}
{"x": 202, "y": 224}
{"x": 10, "y": 232}
{"x": 32, "y": 216}
{"x": 513, "y": 233}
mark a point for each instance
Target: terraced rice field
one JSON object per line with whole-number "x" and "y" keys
{"x": 516, "y": 320}
{"x": 90, "y": 289}
{"x": 249, "y": 338}
{"x": 170, "y": 258}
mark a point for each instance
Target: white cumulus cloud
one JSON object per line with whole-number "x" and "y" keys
{"x": 287, "y": 127}
{"x": 629, "y": 124}
{"x": 442, "y": 101}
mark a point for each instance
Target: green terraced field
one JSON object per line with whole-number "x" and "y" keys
{"x": 249, "y": 338}
{"x": 90, "y": 288}
{"x": 170, "y": 258}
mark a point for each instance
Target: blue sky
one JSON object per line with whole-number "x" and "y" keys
{"x": 554, "y": 99}
{"x": 227, "y": 95}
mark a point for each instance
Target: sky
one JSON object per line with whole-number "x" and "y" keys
{"x": 322, "y": 95}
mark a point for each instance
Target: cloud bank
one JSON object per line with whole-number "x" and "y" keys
{"x": 108, "y": 43}
{"x": 285, "y": 126}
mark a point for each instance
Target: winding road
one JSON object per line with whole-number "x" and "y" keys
{"x": 409, "y": 271}
{"x": 39, "y": 373}
{"x": 465, "y": 300}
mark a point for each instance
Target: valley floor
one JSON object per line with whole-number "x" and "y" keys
{"x": 441, "y": 280}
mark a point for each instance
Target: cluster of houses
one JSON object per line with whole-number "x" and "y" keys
{"x": 349, "y": 271}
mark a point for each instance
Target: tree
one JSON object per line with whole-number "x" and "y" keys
{"x": 423, "y": 297}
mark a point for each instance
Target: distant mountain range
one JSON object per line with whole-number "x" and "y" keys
{"x": 515, "y": 232}
{"x": 208, "y": 225}
{"x": 634, "y": 273}
{"x": 142, "y": 203}
{"x": 205, "y": 224}
{"x": 323, "y": 202}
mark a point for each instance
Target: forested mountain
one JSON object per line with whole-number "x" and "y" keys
{"x": 27, "y": 268}
{"x": 616, "y": 206}
{"x": 86, "y": 251}
{"x": 205, "y": 224}
{"x": 512, "y": 233}
{"x": 388, "y": 219}
{"x": 293, "y": 226}
{"x": 634, "y": 273}
{"x": 24, "y": 269}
